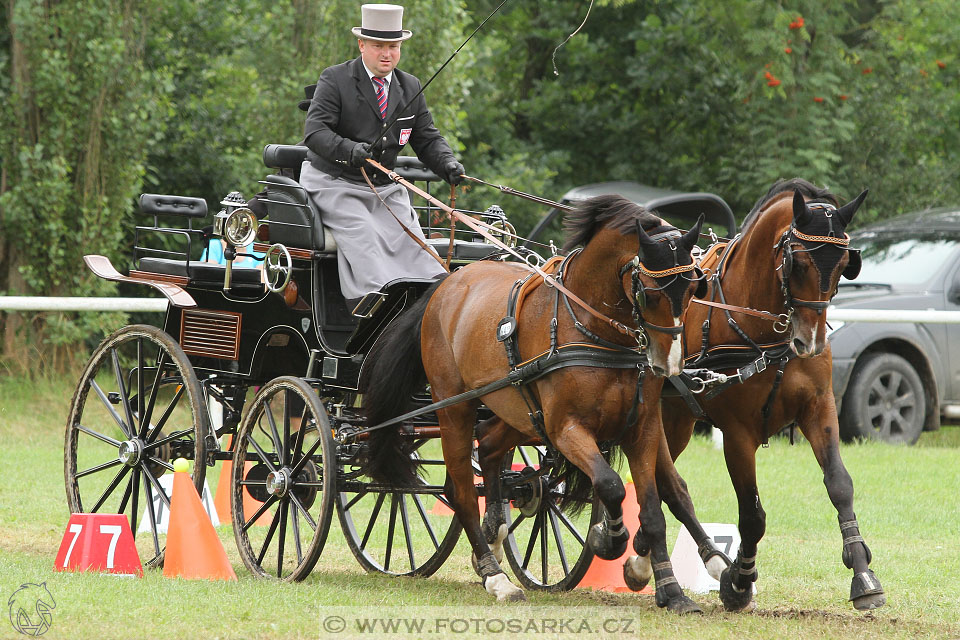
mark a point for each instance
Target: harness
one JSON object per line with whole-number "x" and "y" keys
{"x": 751, "y": 358}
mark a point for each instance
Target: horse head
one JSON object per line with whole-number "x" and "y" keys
{"x": 660, "y": 281}
{"x": 812, "y": 254}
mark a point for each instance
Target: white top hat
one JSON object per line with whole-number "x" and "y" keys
{"x": 382, "y": 22}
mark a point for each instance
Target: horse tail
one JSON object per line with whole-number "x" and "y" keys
{"x": 392, "y": 373}
{"x": 577, "y": 488}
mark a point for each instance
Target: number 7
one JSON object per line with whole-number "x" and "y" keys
{"x": 112, "y": 530}
{"x": 75, "y": 529}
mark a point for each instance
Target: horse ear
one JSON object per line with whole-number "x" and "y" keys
{"x": 690, "y": 238}
{"x": 801, "y": 215}
{"x": 643, "y": 237}
{"x": 852, "y": 269}
{"x": 845, "y": 213}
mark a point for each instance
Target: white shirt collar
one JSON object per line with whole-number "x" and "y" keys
{"x": 386, "y": 78}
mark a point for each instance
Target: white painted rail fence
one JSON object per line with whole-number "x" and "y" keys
{"x": 37, "y": 303}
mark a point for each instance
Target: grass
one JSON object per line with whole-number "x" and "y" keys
{"x": 905, "y": 501}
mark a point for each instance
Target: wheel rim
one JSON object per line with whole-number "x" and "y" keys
{"x": 137, "y": 408}
{"x": 281, "y": 495}
{"x": 892, "y": 406}
{"x": 546, "y": 547}
{"x": 407, "y": 532}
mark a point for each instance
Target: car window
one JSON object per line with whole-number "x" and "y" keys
{"x": 902, "y": 261}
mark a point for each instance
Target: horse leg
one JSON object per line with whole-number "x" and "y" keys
{"x": 457, "y": 443}
{"x": 673, "y": 491}
{"x": 608, "y": 538}
{"x": 865, "y": 590}
{"x": 650, "y": 542}
{"x": 736, "y": 581}
{"x": 494, "y": 439}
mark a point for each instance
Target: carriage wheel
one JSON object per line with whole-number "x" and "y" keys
{"x": 137, "y": 408}
{"x": 284, "y": 460}
{"x": 546, "y": 547}
{"x": 400, "y": 532}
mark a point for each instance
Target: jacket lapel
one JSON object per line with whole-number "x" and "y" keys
{"x": 365, "y": 86}
{"x": 396, "y": 97}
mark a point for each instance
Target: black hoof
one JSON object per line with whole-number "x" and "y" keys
{"x": 604, "y": 545}
{"x": 682, "y": 605}
{"x": 733, "y": 599}
{"x": 866, "y": 592}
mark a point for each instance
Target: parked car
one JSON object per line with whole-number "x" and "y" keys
{"x": 678, "y": 207}
{"x": 895, "y": 379}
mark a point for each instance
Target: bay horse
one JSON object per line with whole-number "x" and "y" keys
{"x": 633, "y": 266}
{"x": 763, "y": 322}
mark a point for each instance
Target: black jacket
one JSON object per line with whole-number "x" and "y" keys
{"x": 343, "y": 112}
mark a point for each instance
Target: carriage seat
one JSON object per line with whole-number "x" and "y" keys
{"x": 201, "y": 273}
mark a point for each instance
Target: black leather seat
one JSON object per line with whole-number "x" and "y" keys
{"x": 200, "y": 272}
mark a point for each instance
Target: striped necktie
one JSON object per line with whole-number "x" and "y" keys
{"x": 381, "y": 97}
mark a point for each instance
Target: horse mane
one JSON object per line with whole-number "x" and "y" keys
{"x": 807, "y": 189}
{"x": 604, "y": 212}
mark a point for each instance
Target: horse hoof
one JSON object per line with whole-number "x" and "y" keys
{"x": 637, "y": 572}
{"x": 733, "y": 599}
{"x": 682, "y": 605}
{"x": 866, "y": 592}
{"x": 604, "y": 545}
{"x": 872, "y": 601}
{"x": 500, "y": 586}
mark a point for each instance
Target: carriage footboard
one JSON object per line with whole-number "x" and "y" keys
{"x": 103, "y": 268}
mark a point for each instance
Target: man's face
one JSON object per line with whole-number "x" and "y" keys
{"x": 380, "y": 57}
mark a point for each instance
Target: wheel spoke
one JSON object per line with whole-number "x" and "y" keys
{"x": 261, "y": 453}
{"x": 99, "y": 467}
{"x": 274, "y": 435}
{"x": 426, "y": 522}
{"x": 124, "y": 499}
{"x": 139, "y": 396}
{"x": 113, "y": 485}
{"x": 163, "y": 463}
{"x": 390, "y": 529}
{"x": 562, "y": 517}
{"x": 154, "y": 389}
{"x": 156, "y": 485}
{"x": 259, "y": 512}
{"x": 300, "y": 508}
{"x": 297, "y": 468}
{"x": 405, "y": 519}
{"x": 266, "y": 541}
{"x": 516, "y": 523}
{"x": 285, "y": 453}
{"x": 373, "y": 519}
{"x": 355, "y": 500}
{"x": 170, "y": 438}
{"x": 561, "y": 549}
{"x": 134, "y": 504}
{"x": 127, "y": 409}
{"x": 284, "y": 506}
{"x": 148, "y": 492}
{"x": 534, "y": 530}
{"x": 98, "y": 436}
{"x": 296, "y": 534}
{"x": 543, "y": 550}
{"x": 174, "y": 401}
{"x": 106, "y": 403}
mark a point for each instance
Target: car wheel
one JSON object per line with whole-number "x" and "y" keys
{"x": 884, "y": 401}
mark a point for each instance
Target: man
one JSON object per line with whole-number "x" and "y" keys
{"x": 347, "y": 124}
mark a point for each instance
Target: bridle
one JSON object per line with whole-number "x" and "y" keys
{"x": 786, "y": 265}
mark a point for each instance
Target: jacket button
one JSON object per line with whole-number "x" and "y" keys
{"x": 384, "y": 138}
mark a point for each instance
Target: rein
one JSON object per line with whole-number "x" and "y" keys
{"x": 484, "y": 230}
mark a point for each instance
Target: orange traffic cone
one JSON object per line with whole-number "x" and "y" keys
{"x": 221, "y": 500}
{"x": 607, "y": 575}
{"x": 193, "y": 548}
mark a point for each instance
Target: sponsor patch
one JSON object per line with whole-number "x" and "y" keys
{"x": 405, "y": 135}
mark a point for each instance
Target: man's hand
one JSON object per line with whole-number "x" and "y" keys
{"x": 360, "y": 154}
{"x": 453, "y": 171}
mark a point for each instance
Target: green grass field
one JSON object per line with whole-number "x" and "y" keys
{"x": 906, "y": 502}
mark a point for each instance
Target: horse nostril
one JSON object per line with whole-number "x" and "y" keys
{"x": 658, "y": 371}
{"x": 798, "y": 345}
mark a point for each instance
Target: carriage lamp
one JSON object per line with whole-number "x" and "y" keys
{"x": 235, "y": 223}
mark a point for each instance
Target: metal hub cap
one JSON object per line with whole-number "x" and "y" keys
{"x": 278, "y": 482}
{"x": 131, "y": 451}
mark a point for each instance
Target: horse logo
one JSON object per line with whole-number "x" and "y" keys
{"x": 30, "y": 607}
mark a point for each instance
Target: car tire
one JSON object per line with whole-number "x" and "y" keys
{"x": 884, "y": 401}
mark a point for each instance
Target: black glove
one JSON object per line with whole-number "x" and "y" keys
{"x": 360, "y": 154}
{"x": 453, "y": 171}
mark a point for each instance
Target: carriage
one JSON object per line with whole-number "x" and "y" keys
{"x": 258, "y": 368}
{"x": 295, "y": 451}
